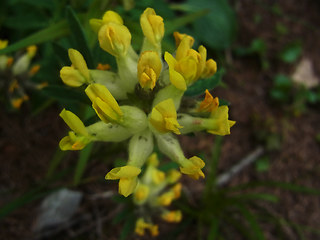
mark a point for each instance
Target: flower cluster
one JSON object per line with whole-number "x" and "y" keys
{"x": 140, "y": 101}
{"x": 16, "y": 74}
{"x": 152, "y": 196}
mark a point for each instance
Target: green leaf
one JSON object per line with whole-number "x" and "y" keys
{"x": 218, "y": 28}
{"x": 65, "y": 94}
{"x": 82, "y": 163}
{"x": 61, "y": 53}
{"x": 79, "y": 37}
{"x": 214, "y": 229}
{"x": 291, "y": 52}
{"x": 55, "y": 161}
{"x": 263, "y": 164}
{"x": 128, "y": 226}
{"x": 173, "y": 25}
{"x": 56, "y": 30}
{"x": 200, "y": 86}
{"x": 257, "y": 196}
{"x": 252, "y": 221}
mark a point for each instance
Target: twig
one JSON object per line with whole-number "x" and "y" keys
{"x": 227, "y": 176}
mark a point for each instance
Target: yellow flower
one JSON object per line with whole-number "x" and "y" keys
{"x": 149, "y": 68}
{"x": 209, "y": 103}
{"x": 17, "y": 102}
{"x": 78, "y": 138}
{"x": 172, "y": 216}
{"x": 164, "y": 117}
{"x": 109, "y": 16}
{"x": 188, "y": 65}
{"x": 115, "y": 39}
{"x": 3, "y": 43}
{"x": 141, "y": 194}
{"x": 176, "y": 189}
{"x": 104, "y": 103}
{"x": 141, "y": 225}
{"x": 128, "y": 178}
{"x": 78, "y": 73}
{"x": 192, "y": 167}
{"x": 166, "y": 198}
{"x": 173, "y": 176}
{"x": 152, "y": 26}
{"x": 179, "y": 36}
{"x": 210, "y": 69}
{"x": 220, "y": 124}
{"x": 31, "y": 51}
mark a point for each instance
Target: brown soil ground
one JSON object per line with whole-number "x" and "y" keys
{"x": 28, "y": 144}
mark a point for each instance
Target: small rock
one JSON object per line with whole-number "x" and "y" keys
{"x": 57, "y": 208}
{"x": 304, "y": 74}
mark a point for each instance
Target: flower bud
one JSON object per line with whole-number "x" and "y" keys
{"x": 115, "y": 39}
{"x": 152, "y": 26}
{"x": 149, "y": 69}
{"x": 104, "y": 103}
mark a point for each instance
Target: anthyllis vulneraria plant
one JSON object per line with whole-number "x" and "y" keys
{"x": 15, "y": 75}
{"x": 140, "y": 101}
{"x": 154, "y": 194}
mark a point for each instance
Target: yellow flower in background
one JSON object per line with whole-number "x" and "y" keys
{"x": 164, "y": 117}
{"x": 192, "y": 167}
{"x": 209, "y": 103}
{"x": 172, "y": 216}
{"x": 141, "y": 226}
{"x": 152, "y": 26}
{"x": 32, "y": 50}
{"x": 3, "y": 43}
{"x": 149, "y": 68}
{"x": 141, "y": 194}
{"x": 104, "y": 103}
{"x": 115, "y": 39}
{"x": 127, "y": 176}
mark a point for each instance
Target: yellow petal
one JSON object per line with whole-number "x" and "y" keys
{"x": 111, "y": 16}
{"x": 179, "y": 36}
{"x": 74, "y": 122}
{"x": 72, "y": 77}
{"x": 115, "y": 39}
{"x": 95, "y": 24}
{"x": 127, "y": 186}
{"x": 152, "y": 26}
{"x": 123, "y": 172}
{"x": 176, "y": 78}
{"x": 141, "y": 193}
{"x": 96, "y": 90}
{"x": 209, "y": 103}
{"x": 78, "y": 62}
{"x": 210, "y": 69}
{"x": 192, "y": 167}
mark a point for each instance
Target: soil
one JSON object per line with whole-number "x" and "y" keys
{"x": 28, "y": 143}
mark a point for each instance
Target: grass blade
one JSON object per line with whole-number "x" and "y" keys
{"x": 82, "y": 163}
{"x": 56, "y": 30}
